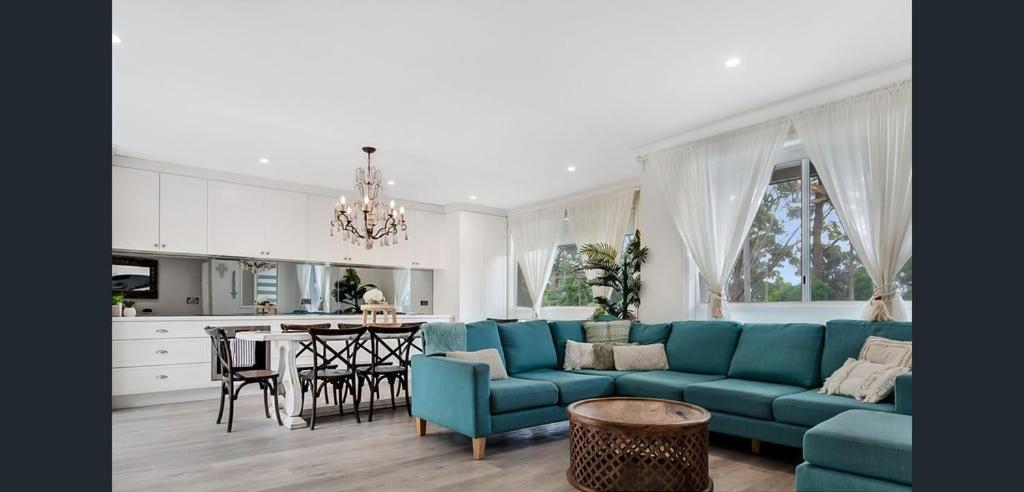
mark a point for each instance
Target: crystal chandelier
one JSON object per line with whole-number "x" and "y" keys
{"x": 373, "y": 221}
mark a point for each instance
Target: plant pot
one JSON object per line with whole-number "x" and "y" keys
{"x": 128, "y": 312}
{"x": 115, "y": 310}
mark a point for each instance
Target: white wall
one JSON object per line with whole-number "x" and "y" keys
{"x": 793, "y": 312}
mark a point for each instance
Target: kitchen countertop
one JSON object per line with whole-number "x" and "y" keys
{"x": 228, "y": 317}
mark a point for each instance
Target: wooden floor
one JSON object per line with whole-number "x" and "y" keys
{"x": 179, "y": 447}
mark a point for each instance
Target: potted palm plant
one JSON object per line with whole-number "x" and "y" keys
{"x": 620, "y": 274}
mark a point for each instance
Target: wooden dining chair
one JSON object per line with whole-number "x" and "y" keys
{"x": 389, "y": 363}
{"x": 334, "y": 366}
{"x": 229, "y": 375}
{"x": 306, "y": 347}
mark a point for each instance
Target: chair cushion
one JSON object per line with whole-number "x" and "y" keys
{"x": 872, "y": 444}
{"x": 646, "y": 334}
{"x": 573, "y": 386}
{"x": 811, "y": 408}
{"x": 739, "y": 396}
{"x": 702, "y": 347}
{"x": 562, "y": 331}
{"x": 483, "y": 335}
{"x": 517, "y": 394}
{"x": 845, "y": 337}
{"x": 779, "y": 353}
{"x": 660, "y": 384}
{"x": 528, "y": 346}
{"x": 601, "y": 372}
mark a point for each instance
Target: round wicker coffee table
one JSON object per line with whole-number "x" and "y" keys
{"x": 638, "y": 444}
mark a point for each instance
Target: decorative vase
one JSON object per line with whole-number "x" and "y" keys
{"x": 128, "y": 312}
{"x": 115, "y": 310}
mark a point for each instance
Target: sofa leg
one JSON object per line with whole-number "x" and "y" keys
{"x": 421, "y": 426}
{"x": 479, "y": 443}
{"x": 755, "y": 446}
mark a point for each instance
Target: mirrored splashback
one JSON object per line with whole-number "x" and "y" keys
{"x": 243, "y": 287}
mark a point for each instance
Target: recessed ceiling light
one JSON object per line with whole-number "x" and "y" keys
{"x": 472, "y": 197}
{"x": 115, "y": 39}
{"x": 733, "y": 62}
{"x": 391, "y": 183}
{"x": 264, "y": 160}
{"x": 571, "y": 169}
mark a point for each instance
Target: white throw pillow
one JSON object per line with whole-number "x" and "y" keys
{"x": 578, "y": 355}
{"x": 885, "y": 351}
{"x": 866, "y": 381}
{"x": 640, "y": 357}
{"x": 489, "y": 356}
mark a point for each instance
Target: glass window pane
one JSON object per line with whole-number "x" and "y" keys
{"x": 836, "y": 272}
{"x": 768, "y": 267}
{"x": 523, "y": 298}
{"x": 904, "y": 281}
{"x": 567, "y": 285}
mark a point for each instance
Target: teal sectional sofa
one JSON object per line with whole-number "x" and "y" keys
{"x": 759, "y": 381}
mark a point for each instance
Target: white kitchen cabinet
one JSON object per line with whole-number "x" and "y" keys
{"x": 427, "y": 235}
{"x": 324, "y": 247}
{"x": 236, "y": 219}
{"x": 285, "y": 227}
{"x": 182, "y": 214}
{"x": 482, "y": 266}
{"x": 135, "y": 209}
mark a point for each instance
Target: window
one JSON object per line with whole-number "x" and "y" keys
{"x": 567, "y": 285}
{"x": 771, "y": 265}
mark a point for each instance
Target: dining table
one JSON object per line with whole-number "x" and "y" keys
{"x": 288, "y": 344}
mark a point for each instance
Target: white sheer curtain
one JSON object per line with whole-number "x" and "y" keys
{"x": 601, "y": 219}
{"x": 861, "y": 148}
{"x": 302, "y": 274}
{"x": 403, "y": 289}
{"x": 713, "y": 188}
{"x": 534, "y": 238}
{"x": 317, "y": 292}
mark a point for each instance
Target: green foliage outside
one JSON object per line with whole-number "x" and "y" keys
{"x": 567, "y": 285}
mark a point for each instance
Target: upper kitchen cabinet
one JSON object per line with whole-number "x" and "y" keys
{"x": 182, "y": 214}
{"x": 286, "y": 225}
{"x": 135, "y": 209}
{"x": 427, "y": 235}
{"x": 237, "y": 218}
{"x": 323, "y": 246}
{"x": 257, "y": 222}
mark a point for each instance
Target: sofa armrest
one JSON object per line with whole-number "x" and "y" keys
{"x": 904, "y": 394}
{"x": 452, "y": 393}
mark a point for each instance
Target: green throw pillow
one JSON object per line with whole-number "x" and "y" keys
{"x": 607, "y": 331}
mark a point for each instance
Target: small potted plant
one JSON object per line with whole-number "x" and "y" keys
{"x": 129, "y": 309}
{"x": 115, "y": 304}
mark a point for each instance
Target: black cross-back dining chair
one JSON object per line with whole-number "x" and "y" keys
{"x": 389, "y": 363}
{"x": 229, "y": 375}
{"x": 334, "y": 366}
{"x": 306, "y": 347}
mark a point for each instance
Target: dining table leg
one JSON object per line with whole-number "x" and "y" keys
{"x": 291, "y": 385}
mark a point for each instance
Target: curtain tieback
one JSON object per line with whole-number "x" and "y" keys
{"x": 716, "y": 304}
{"x": 881, "y": 299}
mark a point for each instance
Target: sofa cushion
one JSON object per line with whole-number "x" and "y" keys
{"x": 573, "y": 386}
{"x": 779, "y": 353}
{"x": 739, "y": 396}
{"x": 810, "y": 478}
{"x": 601, "y": 372}
{"x": 483, "y": 335}
{"x": 659, "y": 384}
{"x": 646, "y": 334}
{"x": 517, "y": 394}
{"x": 562, "y": 331}
{"x": 528, "y": 346}
{"x": 703, "y": 347}
{"x": 811, "y": 408}
{"x": 845, "y": 337}
{"x": 863, "y": 442}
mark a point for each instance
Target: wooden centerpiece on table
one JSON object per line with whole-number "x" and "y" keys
{"x": 375, "y": 303}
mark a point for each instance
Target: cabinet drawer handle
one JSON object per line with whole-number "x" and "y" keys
{"x": 161, "y": 376}
{"x": 161, "y": 330}
{"x": 161, "y": 352}
{"x": 163, "y": 245}
{"x": 156, "y": 245}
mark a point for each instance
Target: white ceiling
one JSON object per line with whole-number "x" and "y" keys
{"x": 488, "y": 98}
